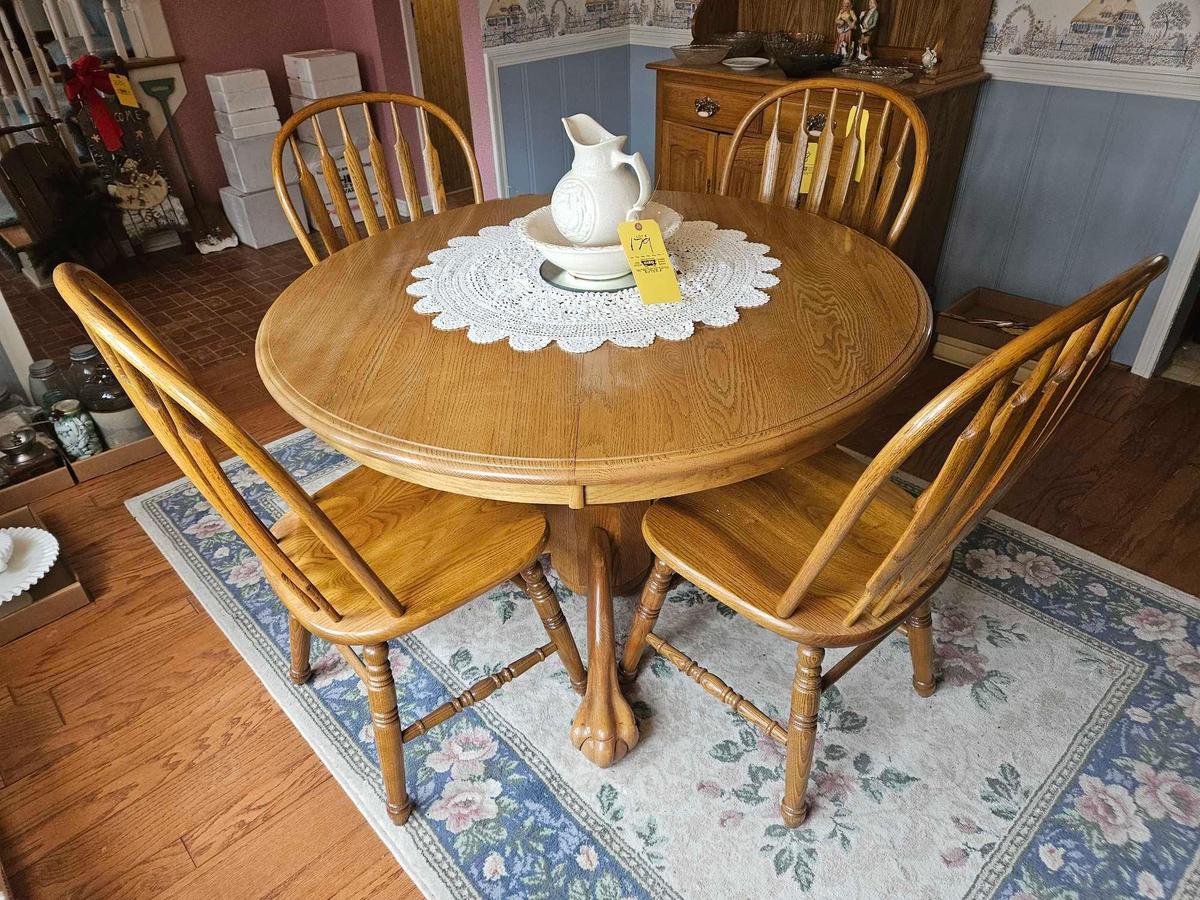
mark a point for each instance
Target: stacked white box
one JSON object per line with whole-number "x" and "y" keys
{"x": 314, "y": 74}
{"x": 248, "y": 121}
{"x": 258, "y": 217}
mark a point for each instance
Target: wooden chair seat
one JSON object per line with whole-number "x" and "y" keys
{"x": 829, "y": 552}
{"x": 744, "y": 543}
{"x": 435, "y": 551}
{"x": 367, "y": 559}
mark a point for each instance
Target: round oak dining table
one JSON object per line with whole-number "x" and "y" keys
{"x": 595, "y": 437}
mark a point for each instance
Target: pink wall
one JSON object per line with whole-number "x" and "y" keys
{"x": 218, "y": 35}
{"x": 481, "y": 122}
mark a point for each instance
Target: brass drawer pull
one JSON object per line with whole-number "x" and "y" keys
{"x": 706, "y": 107}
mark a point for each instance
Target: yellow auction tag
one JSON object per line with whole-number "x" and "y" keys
{"x": 647, "y": 254}
{"x": 810, "y": 155}
{"x": 124, "y": 90}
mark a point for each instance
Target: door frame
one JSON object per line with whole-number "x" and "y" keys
{"x": 1153, "y": 348}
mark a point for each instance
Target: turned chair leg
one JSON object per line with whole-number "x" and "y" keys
{"x": 644, "y": 617}
{"x": 802, "y": 734}
{"x": 381, "y": 695}
{"x": 301, "y": 641}
{"x": 555, "y": 624}
{"x": 920, "y": 648}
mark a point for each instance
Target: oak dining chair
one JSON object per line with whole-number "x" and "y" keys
{"x": 872, "y": 159}
{"x": 831, "y": 552}
{"x": 338, "y": 150}
{"x": 360, "y": 562}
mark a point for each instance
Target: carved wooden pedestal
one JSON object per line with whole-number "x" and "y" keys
{"x": 581, "y": 549}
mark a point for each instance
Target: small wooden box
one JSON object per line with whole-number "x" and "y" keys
{"x": 117, "y": 458}
{"x": 964, "y": 343}
{"x": 984, "y": 303}
{"x": 56, "y": 594}
{"x": 21, "y": 494}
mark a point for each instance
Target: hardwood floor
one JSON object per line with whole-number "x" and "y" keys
{"x": 139, "y": 756}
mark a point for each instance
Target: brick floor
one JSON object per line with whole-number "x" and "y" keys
{"x": 207, "y": 307}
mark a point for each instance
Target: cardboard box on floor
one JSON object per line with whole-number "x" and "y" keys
{"x": 56, "y": 594}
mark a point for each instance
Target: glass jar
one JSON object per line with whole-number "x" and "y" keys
{"x": 111, "y": 409}
{"x": 75, "y": 429}
{"x": 44, "y": 375}
{"x": 84, "y": 359}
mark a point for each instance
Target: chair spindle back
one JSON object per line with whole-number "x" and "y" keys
{"x": 180, "y": 415}
{"x": 1011, "y": 424}
{"x": 357, "y": 107}
{"x": 857, "y": 193}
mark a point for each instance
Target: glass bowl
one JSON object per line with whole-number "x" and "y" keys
{"x": 740, "y": 43}
{"x": 700, "y": 54}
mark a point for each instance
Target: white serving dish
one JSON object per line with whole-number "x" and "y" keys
{"x": 745, "y": 63}
{"x": 588, "y": 263}
{"x": 34, "y": 551}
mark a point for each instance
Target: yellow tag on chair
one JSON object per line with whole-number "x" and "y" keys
{"x": 647, "y": 254}
{"x": 124, "y": 90}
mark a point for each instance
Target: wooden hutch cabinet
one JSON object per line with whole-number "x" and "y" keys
{"x": 699, "y": 107}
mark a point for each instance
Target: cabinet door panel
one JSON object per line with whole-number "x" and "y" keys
{"x": 687, "y": 161}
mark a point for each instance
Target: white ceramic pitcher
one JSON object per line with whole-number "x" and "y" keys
{"x": 600, "y": 190}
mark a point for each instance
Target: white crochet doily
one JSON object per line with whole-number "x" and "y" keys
{"x": 489, "y": 284}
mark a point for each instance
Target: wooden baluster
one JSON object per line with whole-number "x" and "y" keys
{"x": 131, "y": 14}
{"x": 433, "y": 165}
{"x": 379, "y": 165}
{"x": 85, "y": 28}
{"x": 408, "y": 175}
{"x": 534, "y": 583}
{"x": 800, "y": 142}
{"x": 113, "y": 20}
{"x": 358, "y": 177}
{"x": 18, "y": 83}
{"x": 887, "y": 186}
{"x": 39, "y": 62}
{"x": 715, "y": 687}
{"x": 316, "y": 206}
{"x": 849, "y": 162}
{"x": 333, "y": 182}
{"x": 816, "y": 188}
{"x": 654, "y": 593}
{"x": 920, "y": 649}
{"x": 770, "y": 165}
{"x": 15, "y": 49}
{"x": 57, "y": 27}
{"x": 300, "y": 642}
{"x": 480, "y": 690}
{"x": 870, "y": 179}
{"x": 802, "y": 734}
{"x": 385, "y": 721}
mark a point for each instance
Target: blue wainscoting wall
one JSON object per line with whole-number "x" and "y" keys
{"x": 1062, "y": 188}
{"x": 534, "y": 96}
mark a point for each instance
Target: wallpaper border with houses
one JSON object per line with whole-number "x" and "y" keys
{"x": 1150, "y": 34}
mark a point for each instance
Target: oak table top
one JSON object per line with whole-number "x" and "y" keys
{"x": 595, "y": 436}
{"x": 344, "y": 353}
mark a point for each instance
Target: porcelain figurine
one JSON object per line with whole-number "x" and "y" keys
{"x": 845, "y": 22}
{"x": 929, "y": 58}
{"x": 868, "y": 24}
{"x": 604, "y": 187}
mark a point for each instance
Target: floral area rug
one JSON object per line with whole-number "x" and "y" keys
{"x": 1059, "y": 757}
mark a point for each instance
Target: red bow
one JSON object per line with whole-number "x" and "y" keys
{"x": 89, "y": 82}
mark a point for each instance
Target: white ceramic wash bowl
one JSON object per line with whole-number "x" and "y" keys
{"x": 588, "y": 263}
{"x": 745, "y": 63}
{"x": 34, "y": 553}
